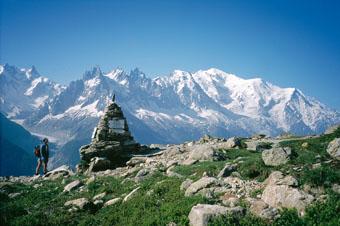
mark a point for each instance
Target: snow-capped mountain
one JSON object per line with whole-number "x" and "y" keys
{"x": 24, "y": 91}
{"x": 168, "y": 109}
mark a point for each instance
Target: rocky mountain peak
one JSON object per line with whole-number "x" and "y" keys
{"x": 32, "y": 72}
{"x": 92, "y": 73}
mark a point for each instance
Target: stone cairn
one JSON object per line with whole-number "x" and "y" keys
{"x": 112, "y": 143}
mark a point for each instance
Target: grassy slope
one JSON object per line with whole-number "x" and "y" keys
{"x": 45, "y": 205}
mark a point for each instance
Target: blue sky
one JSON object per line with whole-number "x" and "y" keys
{"x": 289, "y": 43}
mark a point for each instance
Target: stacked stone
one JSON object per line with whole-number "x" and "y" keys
{"x": 112, "y": 143}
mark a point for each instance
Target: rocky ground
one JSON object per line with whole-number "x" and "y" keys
{"x": 238, "y": 181}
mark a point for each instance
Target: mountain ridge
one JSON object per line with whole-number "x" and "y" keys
{"x": 175, "y": 108}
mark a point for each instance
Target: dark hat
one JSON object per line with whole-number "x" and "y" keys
{"x": 45, "y": 140}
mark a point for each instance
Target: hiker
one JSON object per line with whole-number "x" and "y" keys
{"x": 42, "y": 154}
{"x": 45, "y": 151}
{"x": 38, "y": 155}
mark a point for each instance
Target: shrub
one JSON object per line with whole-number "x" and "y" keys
{"x": 254, "y": 169}
{"x": 322, "y": 176}
{"x": 289, "y": 217}
{"x": 247, "y": 220}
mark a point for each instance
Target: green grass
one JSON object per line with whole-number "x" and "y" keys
{"x": 45, "y": 205}
{"x": 195, "y": 171}
{"x": 316, "y": 146}
{"x": 323, "y": 176}
{"x": 251, "y": 166}
{"x": 314, "y": 153}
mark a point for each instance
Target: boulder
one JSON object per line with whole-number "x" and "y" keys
{"x": 333, "y": 148}
{"x": 142, "y": 174}
{"x": 261, "y": 209}
{"x": 227, "y": 170}
{"x": 188, "y": 162}
{"x": 277, "y": 178}
{"x": 204, "y": 182}
{"x": 99, "y": 196}
{"x": 14, "y": 195}
{"x": 98, "y": 203}
{"x": 136, "y": 161}
{"x": 99, "y": 164}
{"x": 279, "y": 192}
{"x": 62, "y": 171}
{"x": 276, "y": 156}
{"x": 131, "y": 194}
{"x": 203, "y": 152}
{"x": 202, "y": 213}
{"x": 252, "y": 145}
{"x": 232, "y": 142}
{"x": 81, "y": 203}
{"x": 72, "y": 186}
{"x": 185, "y": 184}
{"x": 206, "y": 139}
{"x": 230, "y": 200}
{"x": 112, "y": 202}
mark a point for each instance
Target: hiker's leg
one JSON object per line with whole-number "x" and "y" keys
{"x": 45, "y": 166}
{"x": 38, "y": 167}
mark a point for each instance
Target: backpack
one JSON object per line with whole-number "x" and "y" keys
{"x": 37, "y": 151}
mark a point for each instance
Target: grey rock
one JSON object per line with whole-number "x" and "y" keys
{"x": 276, "y": 156}
{"x": 185, "y": 184}
{"x": 142, "y": 174}
{"x": 81, "y": 203}
{"x": 277, "y": 178}
{"x": 203, "y": 152}
{"x": 14, "y": 195}
{"x": 279, "y": 193}
{"x": 333, "y": 148}
{"x": 98, "y": 203}
{"x": 204, "y": 182}
{"x": 112, "y": 202}
{"x": 62, "y": 171}
{"x": 99, "y": 196}
{"x": 227, "y": 170}
{"x": 72, "y": 186}
{"x": 232, "y": 142}
{"x": 189, "y": 162}
{"x": 99, "y": 164}
{"x": 261, "y": 209}
{"x": 136, "y": 161}
{"x": 131, "y": 194}
{"x": 231, "y": 201}
{"x": 202, "y": 213}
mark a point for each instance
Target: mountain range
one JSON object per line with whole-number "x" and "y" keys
{"x": 168, "y": 109}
